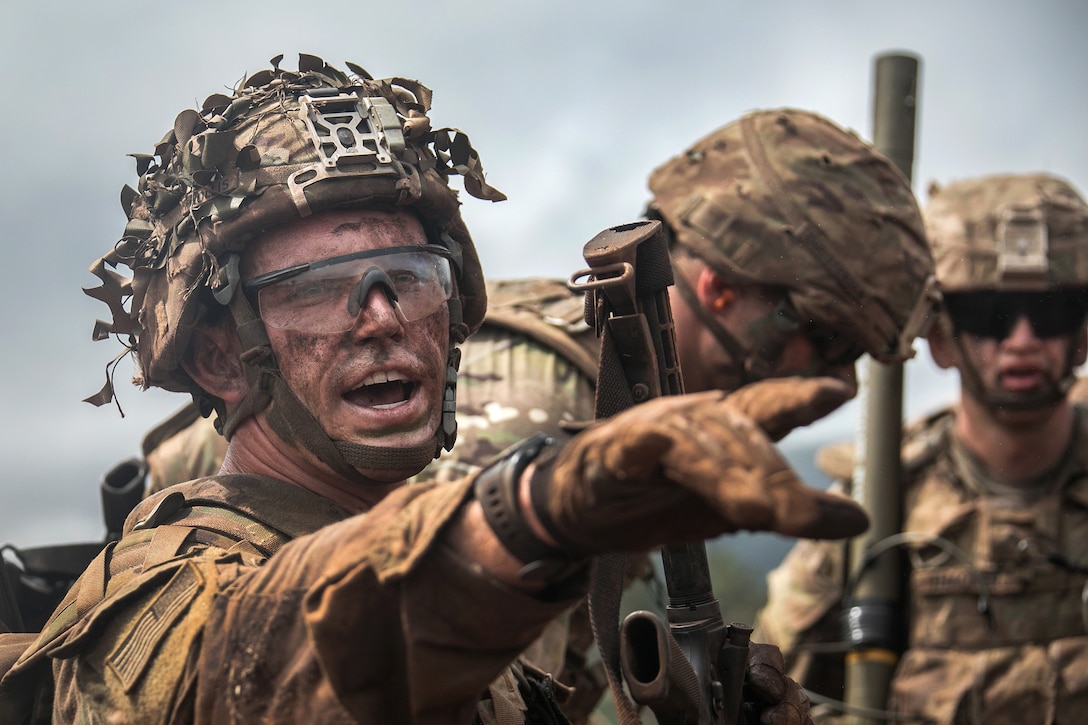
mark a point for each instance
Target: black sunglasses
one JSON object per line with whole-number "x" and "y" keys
{"x": 992, "y": 314}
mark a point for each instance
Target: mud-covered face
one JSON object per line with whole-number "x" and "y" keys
{"x": 380, "y": 381}
{"x": 1021, "y": 344}
{"x": 764, "y": 320}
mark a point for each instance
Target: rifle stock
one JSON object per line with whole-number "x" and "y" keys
{"x": 692, "y": 672}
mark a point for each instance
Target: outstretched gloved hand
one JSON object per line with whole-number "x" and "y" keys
{"x": 691, "y": 467}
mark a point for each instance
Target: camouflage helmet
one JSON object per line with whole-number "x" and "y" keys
{"x": 283, "y": 146}
{"x": 1008, "y": 232}
{"x": 786, "y": 198}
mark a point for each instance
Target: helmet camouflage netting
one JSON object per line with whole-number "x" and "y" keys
{"x": 786, "y": 198}
{"x": 284, "y": 145}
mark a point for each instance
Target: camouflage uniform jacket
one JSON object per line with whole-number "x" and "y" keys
{"x": 532, "y": 367}
{"x": 1024, "y": 554}
{"x": 243, "y": 599}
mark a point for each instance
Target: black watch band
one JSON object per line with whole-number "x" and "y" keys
{"x": 497, "y": 489}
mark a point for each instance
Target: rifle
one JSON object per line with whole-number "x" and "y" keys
{"x": 690, "y": 672}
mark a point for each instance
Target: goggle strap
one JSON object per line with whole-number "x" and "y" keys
{"x": 260, "y": 368}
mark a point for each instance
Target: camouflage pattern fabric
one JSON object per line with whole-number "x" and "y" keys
{"x": 786, "y": 198}
{"x": 184, "y": 447}
{"x": 514, "y": 383}
{"x": 225, "y": 565}
{"x": 1025, "y": 551}
{"x": 1008, "y": 232}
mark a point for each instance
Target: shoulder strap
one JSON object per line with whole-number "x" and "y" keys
{"x": 211, "y": 522}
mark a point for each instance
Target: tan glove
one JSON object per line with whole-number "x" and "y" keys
{"x": 779, "y": 405}
{"x": 776, "y": 698}
{"x": 691, "y": 467}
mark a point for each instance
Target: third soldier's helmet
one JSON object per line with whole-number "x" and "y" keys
{"x": 1005, "y": 245}
{"x": 1011, "y": 232}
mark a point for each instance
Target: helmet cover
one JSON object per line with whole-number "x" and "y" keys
{"x": 786, "y": 198}
{"x": 1010, "y": 232}
{"x": 284, "y": 145}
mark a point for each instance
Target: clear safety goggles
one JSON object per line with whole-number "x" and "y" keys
{"x": 327, "y": 296}
{"x": 833, "y": 348}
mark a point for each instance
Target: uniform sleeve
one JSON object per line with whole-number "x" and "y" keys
{"x": 803, "y": 596}
{"x": 372, "y": 619}
{"x": 375, "y": 613}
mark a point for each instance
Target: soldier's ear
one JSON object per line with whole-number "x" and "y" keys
{"x": 213, "y": 361}
{"x": 715, "y": 293}
{"x": 941, "y": 343}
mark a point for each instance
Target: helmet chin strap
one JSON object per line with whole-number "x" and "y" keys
{"x": 295, "y": 424}
{"x": 748, "y": 365}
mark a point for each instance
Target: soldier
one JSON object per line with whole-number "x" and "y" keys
{"x": 995, "y": 487}
{"x": 765, "y": 217}
{"x": 300, "y": 267}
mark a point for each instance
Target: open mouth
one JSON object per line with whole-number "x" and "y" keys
{"x": 382, "y": 391}
{"x": 1021, "y": 377}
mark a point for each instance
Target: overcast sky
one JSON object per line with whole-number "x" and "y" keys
{"x": 570, "y": 103}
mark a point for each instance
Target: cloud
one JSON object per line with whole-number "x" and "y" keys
{"x": 571, "y": 104}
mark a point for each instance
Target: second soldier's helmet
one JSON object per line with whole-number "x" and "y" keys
{"x": 284, "y": 145}
{"x": 786, "y": 198}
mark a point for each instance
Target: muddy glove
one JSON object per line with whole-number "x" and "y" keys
{"x": 774, "y": 697}
{"x": 691, "y": 467}
{"x": 779, "y": 405}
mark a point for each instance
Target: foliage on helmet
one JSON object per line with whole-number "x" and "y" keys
{"x": 1008, "y": 232}
{"x": 786, "y": 198}
{"x": 284, "y": 145}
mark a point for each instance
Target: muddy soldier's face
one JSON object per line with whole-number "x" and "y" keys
{"x": 1022, "y": 362}
{"x": 799, "y": 356}
{"x": 370, "y": 369}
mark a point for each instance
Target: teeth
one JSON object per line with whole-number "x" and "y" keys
{"x": 382, "y": 377}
